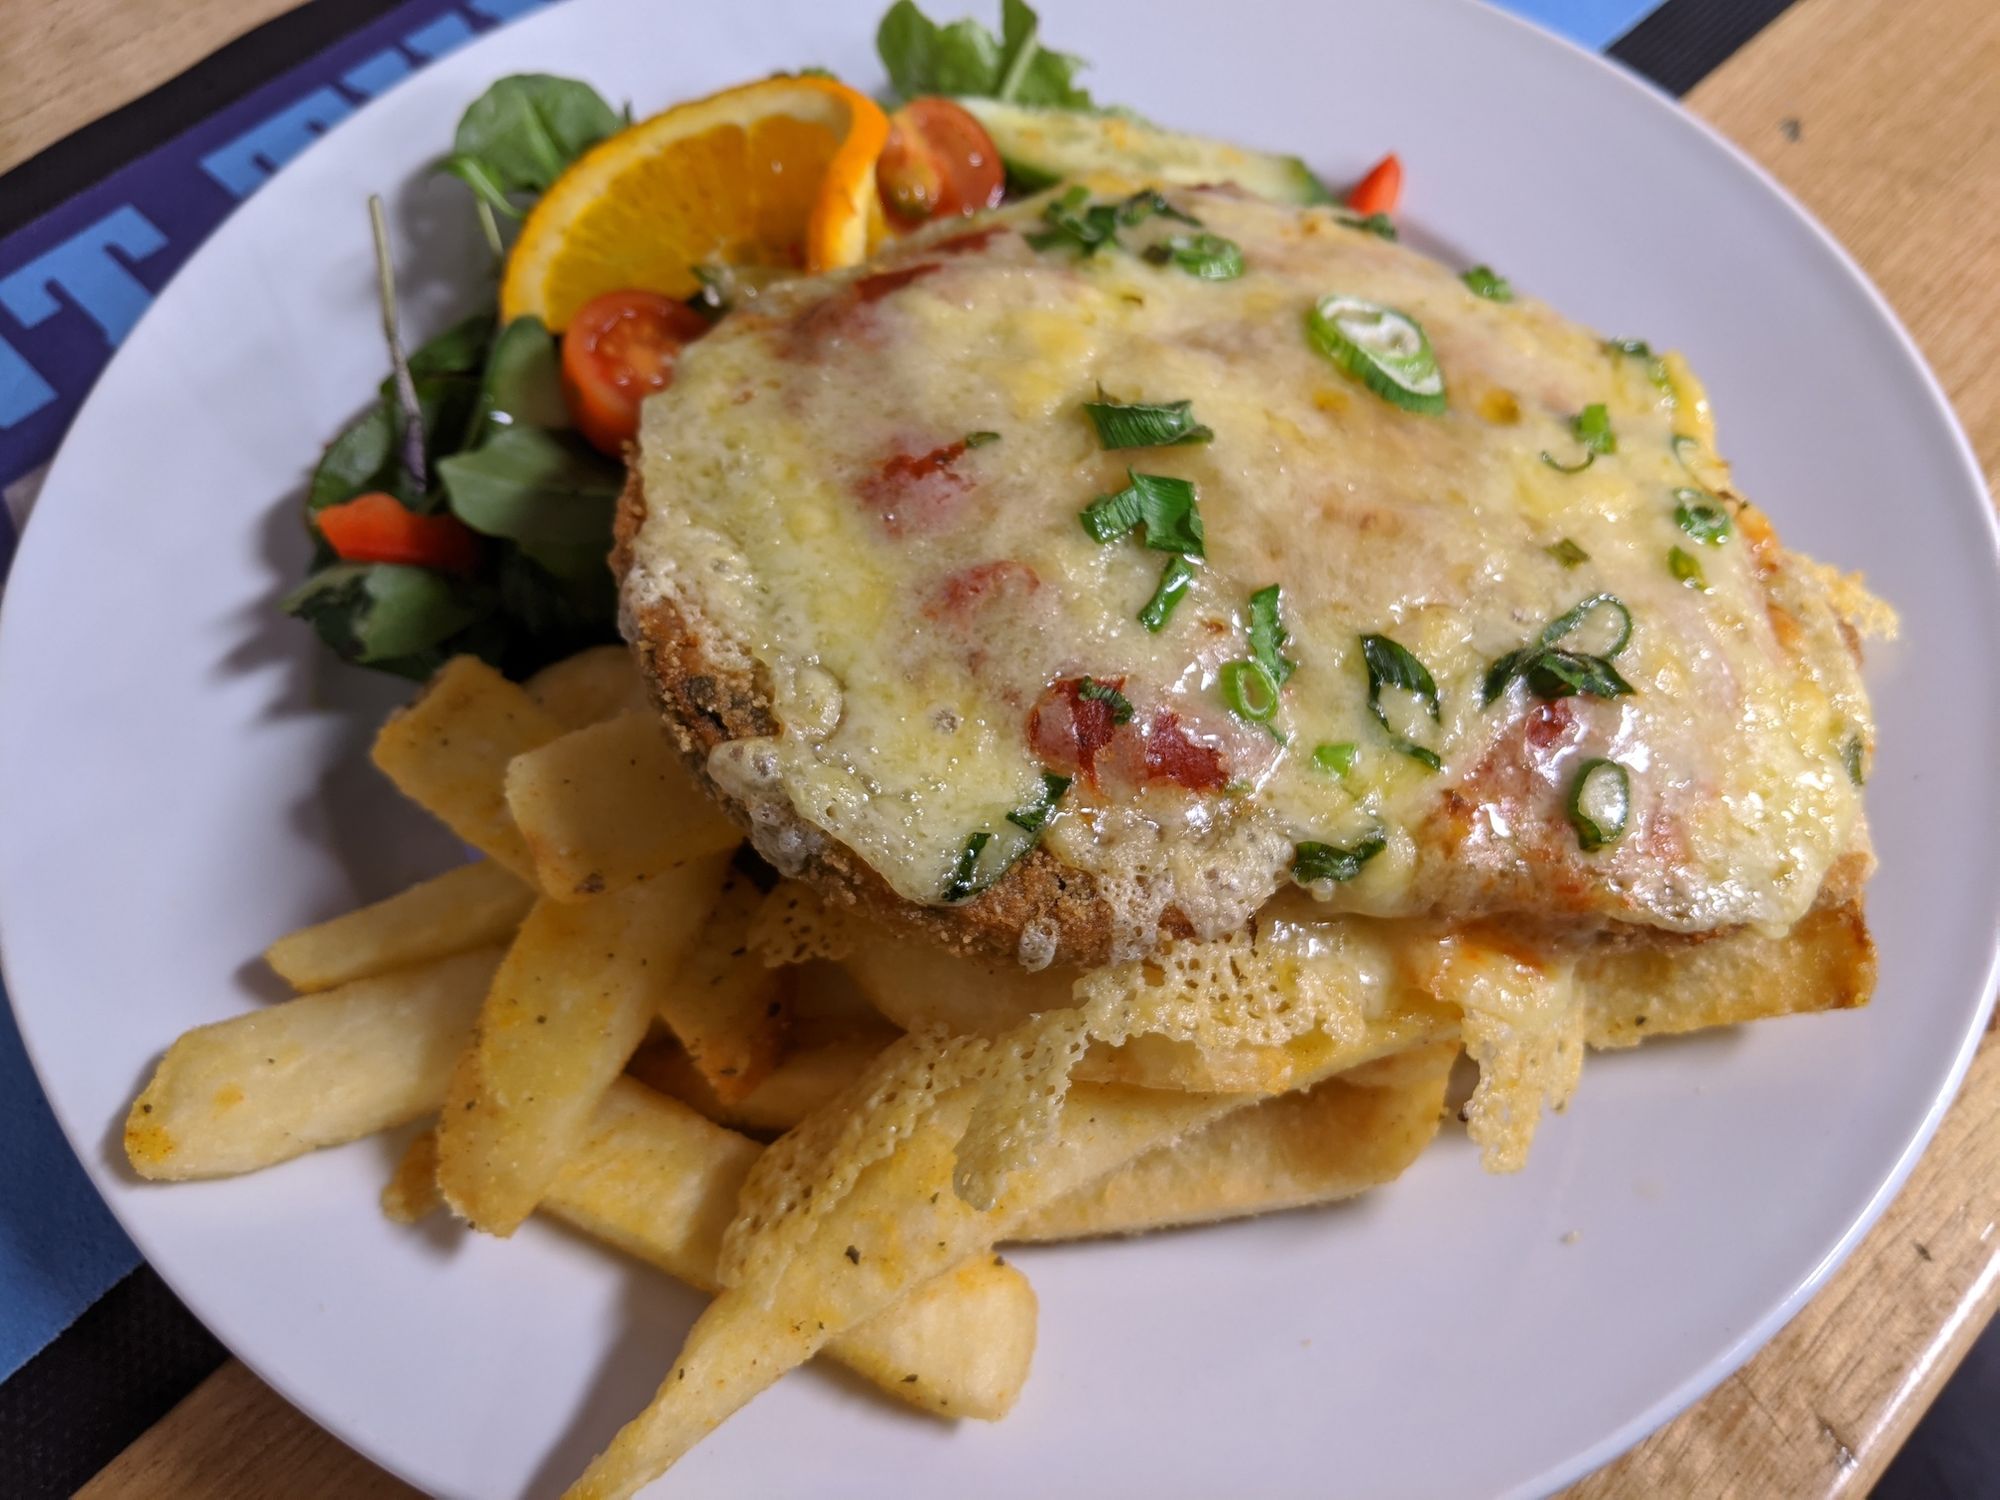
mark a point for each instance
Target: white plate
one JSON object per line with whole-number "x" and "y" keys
{"x": 181, "y": 779}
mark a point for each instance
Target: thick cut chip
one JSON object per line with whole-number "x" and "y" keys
{"x": 1329, "y": 1142}
{"x": 795, "y": 925}
{"x": 568, "y": 1007}
{"x": 611, "y": 805}
{"x": 727, "y": 1009}
{"x": 448, "y": 753}
{"x": 278, "y": 1082}
{"x": 589, "y": 687}
{"x": 654, "y": 1180}
{"x": 468, "y": 907}
{"x": 800, "y": 1084}
{"x": 919, "y": 984}
{"x": 411, "y": 1195}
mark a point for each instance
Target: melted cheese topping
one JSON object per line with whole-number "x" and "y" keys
{"x": 910, "y": 599}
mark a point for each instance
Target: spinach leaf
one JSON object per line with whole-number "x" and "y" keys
{"x": 517, "y": 137}
{"x": 522, "y": 384}
{"x": 354, "y": 462}
{"x": 553, "y": 499}
{"x": 547, "y": 617}
{"x": 458, "y": 350}
{"x": 385, "y": 614}
{"x": 966, "y": 59}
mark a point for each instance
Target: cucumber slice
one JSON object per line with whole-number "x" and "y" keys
{"x": 1045, "y": 146}
{"x": 1386, "y": 350}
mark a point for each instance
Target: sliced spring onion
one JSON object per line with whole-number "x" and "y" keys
{"x": 1630, "y": 348}
{"x": 1250, "y": 691}
{"x": 1607, "y": 612}
{"x": 1208, "y": 257}
{"x": 1854, "y": 755}
{"x": 1313, "y": 862}
{"x": 1484, "y": 283}
{"x": 1698, "y": 514}
{"x": 1384, "y": 349}
{"x": 980, "y": 439}
{"x": 1393, "y": 665}
{"x": 1103, "y": 692}
{"x": 1174, "y": 581}
{"x": 1335, "y": 759}
{"x": 1600, "y": 802}
{"x": 1687, "y": 568}
{"x": 1563, "y": 468}
{"x": 1592, "y": 428}
{"x": 1560, "y": 674}
{"x": 1568, "y": 553}
{"x": 1163, "y": 504}
{"x": 1141, "y": 424}
{"x": 1268, "y": 635}
{"x": 1075, "y": 227}
{"x": 1687, "y": 449}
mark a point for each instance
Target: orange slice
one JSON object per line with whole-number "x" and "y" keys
{"x": 776, "y": 173}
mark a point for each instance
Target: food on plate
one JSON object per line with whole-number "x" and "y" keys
{"x": 1134, "y": 675}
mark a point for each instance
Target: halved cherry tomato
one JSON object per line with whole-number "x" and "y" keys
{"x": 618, "y": 350}
{"x": 1380, "y": 190}
{"x": 939, "y": 161}
{"x": 379, "y": 528}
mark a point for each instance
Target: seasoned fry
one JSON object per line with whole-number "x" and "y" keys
{"x": 469, "y": 907}
{"x": 900, "y": 1220}
{"x": 411, "y": 1195}
{"x": 604, "y": 807}
{"x": 279, "y": 1082}
{"x": 656, "y": 1180}
{"x": 1339, "y": 1138}
{"x": 653, "y": 1179}
{"x": 448, "y": 753}
{"x": 800, "y": 1084}
{"x": 919, "y": 984}
{"x": 589, "y": 687}
{"x": 567, "y": 1008}
{"x": 729, "y": 1011}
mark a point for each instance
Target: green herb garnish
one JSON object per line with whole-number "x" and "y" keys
{"x": 1392, "y": 665}
{"x": 961, "y": 884}
{"x": 1174, "y": 581}
{"x": 1380, "y": 225}
{"x": 1268, "y": 635}
{"x": 1483, "y": 283}
{"x": 1568, "y": 553}
{"x": 1169, "y": 424}
{"x": 1687, "y": 568}
{"x": 1085, "y": 230}
{"x": 1035, "y": 816}
{"x": 1600, "y": 802}
{"x": 1592, "y": 428}
{"x": 1207, "y": 256}
{"x": 1555, "y": 671}
{"x": 1314, "y": 862}
{"x": 980, "y": 439}
{"x": 1698, "y": 514}
{"x": 1104, "y": 692}
{"x": 1335, "y": 759}
{"x": 1853, "y": 755}
{"x": 1164, "y": 505}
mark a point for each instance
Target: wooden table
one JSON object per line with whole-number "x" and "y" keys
{"x": 1884, "y": 118}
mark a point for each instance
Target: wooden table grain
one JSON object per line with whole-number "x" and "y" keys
{"x": 1884, "y": 119}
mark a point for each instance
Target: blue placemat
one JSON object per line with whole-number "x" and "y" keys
{"x": 90, "y": 232}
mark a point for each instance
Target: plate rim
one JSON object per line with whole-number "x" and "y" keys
{"x": 80, "y": 1136}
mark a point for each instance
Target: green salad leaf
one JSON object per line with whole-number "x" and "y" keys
{"x": 966, "y": 60}
{"x": 519, "y": 135}
{"x": 386, "y": 615}
{"x": 549, "y": 496}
